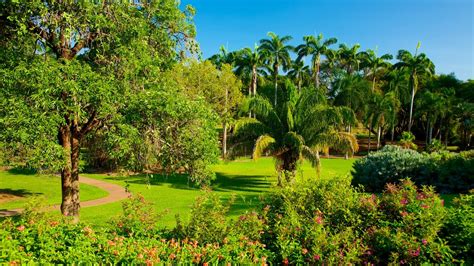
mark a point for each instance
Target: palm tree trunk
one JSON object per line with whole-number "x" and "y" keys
{"x": 224, "y": 140}
{"x": 368, "y": 148}
{"x": 412, "y": 99}
{"x": 318, "y": 163}
{"x": 316, "y": 71}
{"x": 379, "y": 132}
{"x": 275, "y": 69}
{"x": 393, "y": 133}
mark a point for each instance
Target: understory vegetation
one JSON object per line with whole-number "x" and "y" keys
{"x": 326, "y": 222}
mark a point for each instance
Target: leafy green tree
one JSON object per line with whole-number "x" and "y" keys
{"x": 70, "y": 68}
{"x": 298, "y": 128}
{"x": 277, "y": 52}
{"x": 314, "y": 47}
{"x": 417, "y": 65}
{"x": 219, "y": 88}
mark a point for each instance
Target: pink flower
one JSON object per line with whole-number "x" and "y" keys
{"x": 424, "y": 241}
{"x": 414, "y": 253}
{"x": 319, "y": 220}
{"x": 172, "y": 256}
{"x": 404, "y": 213}
{"x": 404, "y": 201}
{"x": 424, "y": 206}
{"x": 317, "y": 257}
{"x": 304, "y": 251}
{"x": 20, "y": 228}
{"x": 285, "y": 261}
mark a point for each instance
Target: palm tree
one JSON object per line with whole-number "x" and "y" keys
{"x": 278, "y": 54}
{"x": 223, "y": 57}
{"x": 416, "y": 65}
{"x": 374, "y": 64}
{"x": 298, "y": 72}
{"x": 250, "y": 62}
{"x": 349, "y": 57}
{"x": 298, "y": 128}
{"x": 314, "y": 47}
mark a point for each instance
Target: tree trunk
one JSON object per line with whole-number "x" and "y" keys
{"x": 368, "y": 148}
{"x": 70, "y": 204}
{"x": 318, "y": 163}
{"x": 224, "y": 141}
{"x": 275, "y": 69}
{"x": 393, "y": 134}
{"x": 316, "y": 71}
{"x": 412, "y": 99}
{"x": 379, "y": 132}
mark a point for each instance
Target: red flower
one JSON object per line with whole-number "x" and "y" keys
{"x": 317, "y": 257}
{"x": 20, "y": 228}
{"x": 404, "y": 201}
{"x": 172, "y": 256}
{"x": 285, "y": 261}
{"x": 424, "y": 206}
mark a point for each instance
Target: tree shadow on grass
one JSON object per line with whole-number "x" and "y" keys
{"x": 222, "y": 183}
{"x": 22, "y": 171}
{"x": 17, "y": 192}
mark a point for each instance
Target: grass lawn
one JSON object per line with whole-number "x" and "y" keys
{"x": 24, "y": 185}
{"x": 246, "y": 179}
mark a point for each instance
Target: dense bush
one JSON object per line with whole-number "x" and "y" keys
{"x": 448, "y": 172}
{"x": 458, "y": 230}
{"x": 324, "y": 222}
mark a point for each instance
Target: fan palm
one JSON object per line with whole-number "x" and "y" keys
{"x": 298, "y": 128}
{"x": 314, "y": 47}
{"x": 278, "y": 55}
{"x": 417, "y": 64}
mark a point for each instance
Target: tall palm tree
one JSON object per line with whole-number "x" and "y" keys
{"x": 314, "y": 47}
{"x": 349, "y": 57}
{"x": 298, "y": 72}
{"x": 374, "y": 64}
{"x": 278, "y": 54}
{"x": 416, "y": 65}
{"x": 298, "y": 128}
{"x": 250, "y": 63}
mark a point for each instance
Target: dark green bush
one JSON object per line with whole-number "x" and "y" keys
{"x": 458, "y": 229}
{"x": 448, "y": 172}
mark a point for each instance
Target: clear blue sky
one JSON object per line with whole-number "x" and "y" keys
{"x": 444, "y": 27}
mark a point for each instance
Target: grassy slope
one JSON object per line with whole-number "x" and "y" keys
{"x": 246, "y": 179}
{"x": 27, "y": 185}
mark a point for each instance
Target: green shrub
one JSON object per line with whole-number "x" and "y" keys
{"x": 458, "y": 229}
{"x": 435, "y": 146}
{"x": 389, "y": 165}
{"x": 448, "y": 172}
{"x": 407, "y": 141}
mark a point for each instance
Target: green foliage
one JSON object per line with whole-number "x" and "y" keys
{"x": 407, "y": 141}
{"x": 448, "y": 172}
{"x": 389, "y": 165}
{"x": 435, "y": 146}
{"x": 458, "y": 230}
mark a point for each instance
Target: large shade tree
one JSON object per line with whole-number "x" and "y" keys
{"x": 298, "y": 128}
{"x": 277, "y": 51}
{"x": 68, "y": 68}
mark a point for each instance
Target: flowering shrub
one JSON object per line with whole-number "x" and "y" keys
{"x": 406, "y": 225}
{"x": 323, "y": 222}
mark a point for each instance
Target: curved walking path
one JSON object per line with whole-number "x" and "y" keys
{"x": 116, "y": 193}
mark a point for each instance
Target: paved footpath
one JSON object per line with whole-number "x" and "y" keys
{"x": 116, "y": 193}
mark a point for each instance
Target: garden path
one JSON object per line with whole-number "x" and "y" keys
{"x": 116, "y": 193}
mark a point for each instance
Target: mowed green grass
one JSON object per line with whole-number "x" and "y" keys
{"x": 246, "y": 179}
{"x": 26, "y": 185}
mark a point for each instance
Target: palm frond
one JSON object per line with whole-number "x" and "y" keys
{"x": 262, "y": 145}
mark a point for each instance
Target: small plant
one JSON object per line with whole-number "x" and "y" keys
{"x": 407, "y": 141}
{"x": 435, "y": 146}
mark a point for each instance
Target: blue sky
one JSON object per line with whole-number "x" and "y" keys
{"x": 444, "y": 27}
